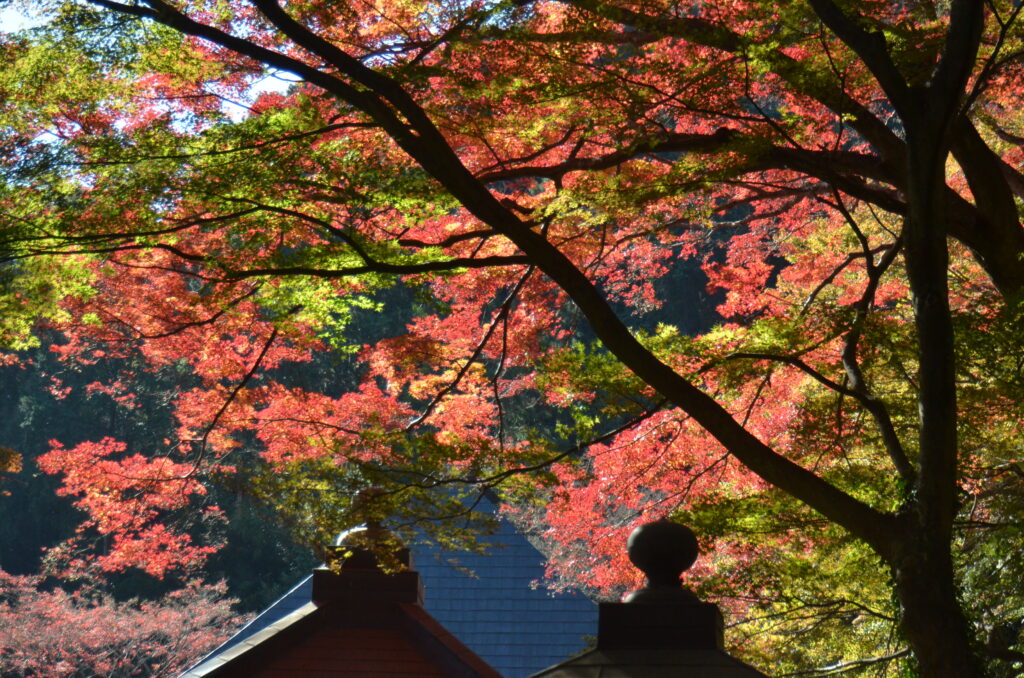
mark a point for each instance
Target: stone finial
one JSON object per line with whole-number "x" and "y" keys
{"x": 662, "y": 550}
{"x": 662, "y": 629}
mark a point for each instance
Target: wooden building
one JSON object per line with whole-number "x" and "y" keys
{"x": 488, "y": 601}
{"x": 359, "y": 623}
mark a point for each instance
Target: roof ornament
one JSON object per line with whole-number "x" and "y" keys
{"x": 662, "y": 630}
{"x": 662, "y": 550}
{"x": 368, "y": 545}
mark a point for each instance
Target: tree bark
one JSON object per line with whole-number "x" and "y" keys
{"x": 931, "y": 616}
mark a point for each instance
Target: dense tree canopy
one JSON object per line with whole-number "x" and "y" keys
{"x": 434, "y": 246}
{"x": 53, "y": 634}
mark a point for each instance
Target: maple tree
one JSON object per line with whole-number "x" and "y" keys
{"x": 531, "y": 176}
{"x": 55, "y": 633}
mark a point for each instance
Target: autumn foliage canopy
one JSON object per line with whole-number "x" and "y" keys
{"x": 51, "y": 633}
{"x": 753, "y": 265}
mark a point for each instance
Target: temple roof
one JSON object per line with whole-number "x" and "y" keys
{"x": 490, "y": 602}
{"x": 359, "y": 623}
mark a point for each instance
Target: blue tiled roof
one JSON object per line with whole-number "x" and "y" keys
{"x": 488, "y": 601}
{"x": 497, "y": 612}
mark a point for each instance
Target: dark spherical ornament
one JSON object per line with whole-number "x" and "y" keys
{"x": 662, "y": 550}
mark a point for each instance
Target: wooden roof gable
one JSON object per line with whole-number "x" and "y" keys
{"x": 360, "y": 622}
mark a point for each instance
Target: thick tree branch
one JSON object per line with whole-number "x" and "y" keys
{"x": 482, "y": 234}
{"x": 998, "y": 223}
{"x": 947, "y": 88}
{"x": 803, "y": 79}
{"x": 55, "y": 242}
{"x": 277, "y": 141}
{"x": 379, "y": 267}
{"x": 871, "y": 48}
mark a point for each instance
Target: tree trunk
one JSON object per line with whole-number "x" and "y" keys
{"x": 931, "y": 616}
{"x": 930, "y": 613}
